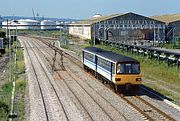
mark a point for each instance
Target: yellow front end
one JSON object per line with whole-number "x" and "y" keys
{"x": 123, "y": 79}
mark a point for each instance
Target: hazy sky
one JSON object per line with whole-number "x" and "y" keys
{"x": 80, "y": 9}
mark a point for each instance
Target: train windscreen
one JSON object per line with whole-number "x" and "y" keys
{"x": 128, "y": 68}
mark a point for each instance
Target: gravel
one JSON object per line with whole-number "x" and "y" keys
{"x": 160, "y": 104}
{"x": 115, "y": 104}
{"x": 123, "y": 107}
{"x": 3, "y": 69}
{"x": 73, "y": 112}
{"x": 37, "y": 110}
{"x": 96, "y": 112}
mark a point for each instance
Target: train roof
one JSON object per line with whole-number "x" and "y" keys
{"x": 93, "y": 49}
{"x": 109, "y": 55}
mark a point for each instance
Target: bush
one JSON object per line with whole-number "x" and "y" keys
{"x": 5, "y": 41}
{"x": 171, "y": 45}
{"x": 91, "y": 41}
{"x": 2, "y": 34}
{"x": 4, "y": 107}
{"x": 178, "y": 42}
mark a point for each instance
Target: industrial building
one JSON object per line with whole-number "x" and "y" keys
{"x": 22, "y": 24}
{"x": 173, "y": 25}
{"x": 48, "y": 25}
{"x": 80, "y": 30}
{"x": 126, "y": 28}
{"x": 28, "y": 24}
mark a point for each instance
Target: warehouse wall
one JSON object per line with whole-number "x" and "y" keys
{"x": 81, "y": 31}
{"x": 174, "y": 28}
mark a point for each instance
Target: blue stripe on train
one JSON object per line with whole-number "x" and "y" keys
{"x": 89, "y": 62}
{"x": 100, "y": 67}
{"x": 103, "y": 69}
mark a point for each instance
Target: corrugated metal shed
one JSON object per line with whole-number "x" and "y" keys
{"x": 103, "y": 18}
{"x": 95, "y": 19}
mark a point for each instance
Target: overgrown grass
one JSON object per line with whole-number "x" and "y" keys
{"x": 172, "y": 44}
{"x": 65, "y": 46}
{"x": 48, "y": 33}
{"x": 5, "y": 100}
{"x": 6, "y": 89}
{"x": 5, "y": 96}
{"x": 19, "y": 106}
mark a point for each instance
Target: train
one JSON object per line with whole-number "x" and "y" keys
{"x": 119, "y": 71}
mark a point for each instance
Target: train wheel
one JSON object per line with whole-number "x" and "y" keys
{"x": 115, "y": 88}
{"x": 111, "y": 84}
{"x": 84, "y": 67}
{"x": 97, "y": 76}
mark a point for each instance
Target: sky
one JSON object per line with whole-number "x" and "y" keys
{"x": 82, "y": 9}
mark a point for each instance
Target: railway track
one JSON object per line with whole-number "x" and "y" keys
{"x": 63, "y": 82}
{"x": 72, "y": 59}
{"x": 104, "y": 105}
{"x": 4, "y": 60}
{"x": 163, "y": 115}
{"x": 40, "y": 89}
{"x": 45, "y": 91}
{"x": 145, "y": 108}
{"x": 149, "y": 112}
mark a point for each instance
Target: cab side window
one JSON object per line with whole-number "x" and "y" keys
{"x": 120, "y": 68}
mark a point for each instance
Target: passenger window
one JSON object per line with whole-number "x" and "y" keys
{"x": 113, "y": 68}
{"x": 94, "y": 59}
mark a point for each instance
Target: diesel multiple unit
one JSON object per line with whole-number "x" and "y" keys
{"x": 117, "y": 69}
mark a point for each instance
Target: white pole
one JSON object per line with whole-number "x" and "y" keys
{"x": 154, "y": 36}
{"x": 2, "y": 44}
{"x": 14, "y": 80}
{"x": 7, "y": 29}
{"x": 10, "y": 53}
{"x": 94, "y": 35}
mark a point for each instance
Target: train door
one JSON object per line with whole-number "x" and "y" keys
{"x": 95, "y": 61}
{"x": 83, "y": 56}
{"x": 112, "y": 70}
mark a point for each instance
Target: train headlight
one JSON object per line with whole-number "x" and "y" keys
{"x": 118, "y": 79}
{"x": 138, "y": 79}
